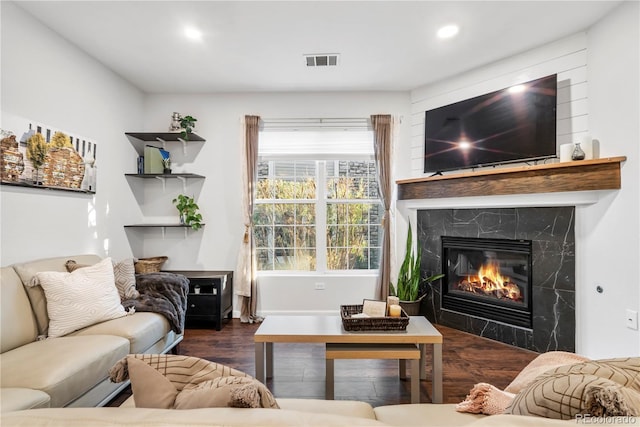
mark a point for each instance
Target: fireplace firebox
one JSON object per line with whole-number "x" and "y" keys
{"x": 488, "y": 278}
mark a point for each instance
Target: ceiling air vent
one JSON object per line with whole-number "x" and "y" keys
{"x": 322, "y": 60}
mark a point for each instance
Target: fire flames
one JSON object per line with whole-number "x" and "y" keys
{"x": 490, "y": 282}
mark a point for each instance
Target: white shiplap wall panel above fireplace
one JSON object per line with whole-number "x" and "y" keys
{"x": 567, "y": 58}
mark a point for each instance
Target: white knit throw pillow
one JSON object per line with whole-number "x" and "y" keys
{"x": 82, "y": 298}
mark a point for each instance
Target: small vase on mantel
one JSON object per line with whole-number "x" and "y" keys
{"x": 578, "y": 152}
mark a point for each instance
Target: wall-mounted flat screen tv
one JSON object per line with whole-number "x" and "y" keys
{"x": 514, "y": 124}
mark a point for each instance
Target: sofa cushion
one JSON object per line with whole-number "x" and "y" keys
{"x": 79, "y": 299}
{"x": 562, "y": 392}
{"x": 351, "y": 408}
{"x": 420, "y": 414}
{"x": 17, "y": 322}
{"x": 142, "y": 330}
{"x": 103, "y": 417}
{"x": 17, "y": 399}
{"x": 27, "y": 270}
{"x": 65, "y": 367}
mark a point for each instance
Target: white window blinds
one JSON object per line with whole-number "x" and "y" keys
{"x": 320, "y": 141}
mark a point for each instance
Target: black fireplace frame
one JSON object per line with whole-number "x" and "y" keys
{"x": 516, "y": 315}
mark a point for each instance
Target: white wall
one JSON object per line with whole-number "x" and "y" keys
{"x": 219, "y": 195}
{"x": 611, "y": 228}
{"x": 592, "y": 99}
{"x": 47, "y": 80}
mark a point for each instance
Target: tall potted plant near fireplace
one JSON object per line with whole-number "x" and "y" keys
{"x": 407, "y": 288}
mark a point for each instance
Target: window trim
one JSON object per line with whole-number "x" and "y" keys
{"x": 320, "y": 202}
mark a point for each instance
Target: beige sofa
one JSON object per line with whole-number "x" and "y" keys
{"x": 69, "y": 371}
{"x": 293, "y": 412}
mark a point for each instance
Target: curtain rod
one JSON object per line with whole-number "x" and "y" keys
{"x": 316, "y": 119}
{"x": 352, "y": 123}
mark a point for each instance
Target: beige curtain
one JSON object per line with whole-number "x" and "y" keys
{"x": 245, "y": 282}
{"x": 382, "y": 147}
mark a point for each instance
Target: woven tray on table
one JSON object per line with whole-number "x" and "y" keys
{"x": 371, "y": 323}
{"x": 149, "y": 265}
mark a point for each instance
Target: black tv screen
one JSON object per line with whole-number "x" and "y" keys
{"x": 509, "y": 125}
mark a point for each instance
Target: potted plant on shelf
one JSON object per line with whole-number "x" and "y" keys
{"x": 187, "y": 123}
{"x": 407, "y": 288}
{"x": 188, "y": 209}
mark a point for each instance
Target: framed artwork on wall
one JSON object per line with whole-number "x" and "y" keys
{"x": 35, "y": 155}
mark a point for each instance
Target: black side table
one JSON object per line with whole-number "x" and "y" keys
{"x": 210, "y": 295}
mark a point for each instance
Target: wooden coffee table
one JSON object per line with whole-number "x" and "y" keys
{"x": 329, "y": 330}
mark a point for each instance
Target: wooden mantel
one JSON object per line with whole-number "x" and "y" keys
{"x": 585, "y": 175}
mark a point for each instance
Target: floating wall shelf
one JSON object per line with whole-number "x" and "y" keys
{"x": 163, "y": 177}
{"x": 584, "y": 175}
{"x": 140, "y": 139}
{"x": 162, "y": 226}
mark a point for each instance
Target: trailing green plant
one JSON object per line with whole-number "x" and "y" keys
{"x": 188, "y": 209}
{"x": 187, "y": 123}
{"x": 408, "y": 285}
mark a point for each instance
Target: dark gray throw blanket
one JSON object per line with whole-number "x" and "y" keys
{"x": 163, "y": 293}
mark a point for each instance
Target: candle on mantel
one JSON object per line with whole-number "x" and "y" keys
{"x": 394, "y": 310}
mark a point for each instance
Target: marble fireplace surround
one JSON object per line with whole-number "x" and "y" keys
{"x": 551, "y": 230}
{"x": 527, "y": 202}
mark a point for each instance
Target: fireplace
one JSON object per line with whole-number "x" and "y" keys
{"x": 549, "y": 295}
{"x": 488, "y": 278}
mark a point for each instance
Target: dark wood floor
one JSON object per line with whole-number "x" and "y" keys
{"x": 299, "y": 368}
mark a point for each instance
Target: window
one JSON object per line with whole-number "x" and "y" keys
{"x": 314, "y": 212}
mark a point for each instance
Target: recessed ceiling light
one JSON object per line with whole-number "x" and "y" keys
{"x": 193, "y": 33}
{"x": 448, "y": 31}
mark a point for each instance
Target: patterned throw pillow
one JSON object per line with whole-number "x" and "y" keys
{"x": 81, "y": 298}
{"x": 124, "y": 274}
{"x": 183, "y": 382}
{"x": 541, "y": 364}
{"x": 582, "y": 388}
{"x": 238, "y": 392}
{"x": 612, "y": 401}
{"x": 486, "y": 399}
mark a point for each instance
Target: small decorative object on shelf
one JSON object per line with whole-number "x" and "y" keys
{"x": 187, "y": 123}
{"x": 140, "y": 165}
{"x": 188, "y": 209}
{"x": 167, "y": 165}
{"x": 578, "y": 153}
{"x": 175, "y": 122}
